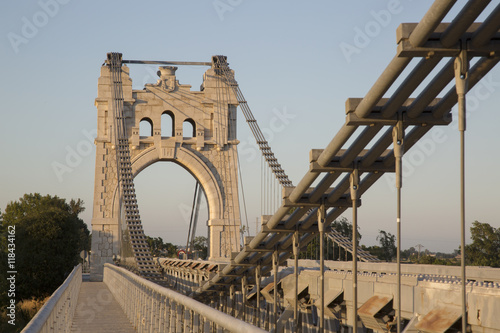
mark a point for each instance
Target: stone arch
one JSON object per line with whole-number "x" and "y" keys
{"x": 191, "y": 162}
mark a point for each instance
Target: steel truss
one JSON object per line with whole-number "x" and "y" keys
{"x": 400, "y": 120}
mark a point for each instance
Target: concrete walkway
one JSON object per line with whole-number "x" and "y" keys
{"x": 98, "y": 311}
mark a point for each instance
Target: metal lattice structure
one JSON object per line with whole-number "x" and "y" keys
{"x": 140, "y": 249}
{"x": 222, "y": 68}
{"x": 399, "y": 120}
{"x": 347, "y": 245}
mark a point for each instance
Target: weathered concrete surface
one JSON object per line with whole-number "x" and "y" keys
{"x": 98, "y": 311}
{"x": 208, "y": 153}
{"x": 429, "y": 292}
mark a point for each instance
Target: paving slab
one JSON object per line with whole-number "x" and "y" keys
{"x": 98, "y": 311}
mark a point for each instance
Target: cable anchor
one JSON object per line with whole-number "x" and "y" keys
{"x": 398, "y": 136}
{"x": 461, "y": 84}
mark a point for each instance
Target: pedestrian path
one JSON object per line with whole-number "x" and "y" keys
{"x": 98, "y": 311}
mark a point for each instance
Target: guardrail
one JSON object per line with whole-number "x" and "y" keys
{"x": 474, "y": 273}
{"x": 152, "y": 308}
{"x": 56, "y": 315}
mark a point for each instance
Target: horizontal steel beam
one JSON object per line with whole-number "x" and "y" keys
{"x": 431, "y": 19}
{"x": 343, "y": 201}
{"x": 434, "y": 47}
{"x": 334, "y": 166}
{"x": 179, "y": 63}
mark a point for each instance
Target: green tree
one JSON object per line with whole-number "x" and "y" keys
{"x": 49, "y": 236}
{"x": 485, "y": 247}
{"x": 388, "y": 244}
{"x": 201, "y": 246}
{"x": 159, "y": 248}
{"x": 171, "y": 250}
{"x": 374, "y": 250}
{"x": 408, "y": 254}
{"x": 155, "y": 245}
{"x": 334, "y": 252}
{"x": 344, "y": 226}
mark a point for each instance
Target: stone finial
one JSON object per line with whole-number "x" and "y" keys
{"x": 166, "y": 71}
{"x": 167, "y": 77}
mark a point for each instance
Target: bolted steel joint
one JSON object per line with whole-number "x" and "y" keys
{"x": 398, "y": 136}
{"x": 461, "y": 85}
{"x": 461, "y": 72}
{"x": 354, "y": 179}
{"x": 321, "y": 218}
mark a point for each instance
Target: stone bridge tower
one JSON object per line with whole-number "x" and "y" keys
{"x": 208, "y": 153}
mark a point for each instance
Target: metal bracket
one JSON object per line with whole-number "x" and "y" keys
{"x": 461, "y": 84}
{"x": 398, "y": 136}
{"x": 426, "y": 118}
{"x": 433, "y": 46}
{"x": 343, "y": 201}
{"x": 354, "y": 179}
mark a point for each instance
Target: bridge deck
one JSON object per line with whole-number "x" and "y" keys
{"x": 98, "y": 311}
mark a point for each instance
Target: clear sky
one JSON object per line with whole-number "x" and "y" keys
{"x": 288, "y": 58}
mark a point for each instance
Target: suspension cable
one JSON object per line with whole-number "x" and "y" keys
{"x": 222, "y": 68}
{"x": 243, "y": 196}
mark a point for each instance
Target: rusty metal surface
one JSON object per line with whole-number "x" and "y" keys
{"x": 440, "y": 319}
{"x": 330, "y": 299}
{"x": 372, "y": 306}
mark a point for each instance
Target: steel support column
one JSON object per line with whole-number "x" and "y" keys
{"x": 232, "y": 300}
{"x": 244, "y": 296}
{"x": 275, "y": 294}
{"x": 321, "y": 228}
{"x": 354, "y": 179}
{"x": 296, "y": 275}
{"x": 257, "y": 286}
{"x": 398, "y": 143}
{"x": 461, "y": 84}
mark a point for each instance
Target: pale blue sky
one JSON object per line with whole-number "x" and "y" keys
{"x": 286, "y": 55}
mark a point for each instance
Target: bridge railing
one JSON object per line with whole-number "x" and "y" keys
{"x": 56, "y": 315}
{"x": 152, "y": 308}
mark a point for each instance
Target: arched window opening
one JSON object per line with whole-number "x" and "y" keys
{"x": 146, "y": 127}
{"x": 167, "y": 124}
{"x": 189, "y": 128}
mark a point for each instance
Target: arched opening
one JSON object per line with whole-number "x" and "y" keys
{"x": 189, "y": 128}
{"x": 146, "y": 127}
{"x": 167, "y": 124}
{"x": 166, "y": 211}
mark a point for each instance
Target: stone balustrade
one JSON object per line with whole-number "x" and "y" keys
{"x": 152, "y": 308}
{"x": 56, "y": 315}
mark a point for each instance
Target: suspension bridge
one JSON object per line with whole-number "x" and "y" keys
{"x": 261, "y": 285}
